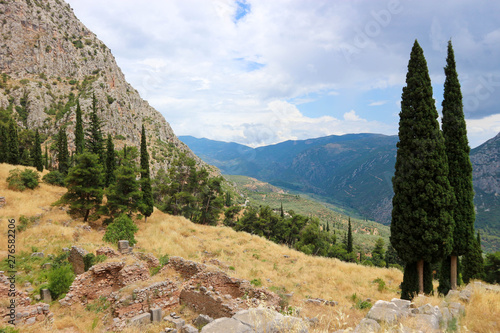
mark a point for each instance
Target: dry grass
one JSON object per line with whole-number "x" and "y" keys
{"x": 249, "y": 257}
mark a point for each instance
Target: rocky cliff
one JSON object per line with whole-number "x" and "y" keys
{"x": 48, "y": 59}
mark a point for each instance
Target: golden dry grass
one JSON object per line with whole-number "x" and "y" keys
{"x": 248, "y": 257}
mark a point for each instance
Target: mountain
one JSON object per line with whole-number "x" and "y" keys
{"x": 353, "y": 171}
{"x": 345, "y": 169}
{"x": 49, "y": 59}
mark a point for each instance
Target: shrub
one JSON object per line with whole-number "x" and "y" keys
{"x": 25, "y": 222}
{"x": 60, "y": 279}
{"x": 20, "y": 180}
{"x": 54, "y": 178}
{"x": 256, "y": 282}
{"x": 90, "y": 260}
{"x": 122, "y": 228}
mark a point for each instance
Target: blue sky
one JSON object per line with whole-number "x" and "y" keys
{"x": 259, "y": 72}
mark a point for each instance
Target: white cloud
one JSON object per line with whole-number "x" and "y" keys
{"x": 481, "y": 130}
{"x": 377, "y": 103}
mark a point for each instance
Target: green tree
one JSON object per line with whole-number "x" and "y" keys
{"x": 37, "y": 153}
{"x": 110, "y": 162}
{"x": 422, "y": 225}
{"x": 79, "y": 134}
{"x": 144, "y": 155}
{"x": 62, "y": 152}
{"x": 349, "y": 246}
{"x": 492, "y": 268}
{"x": 122, "y": 228}
{"x": 124, "y": 196}
{"x": 378, "y": 253}
{"x": 460, "y": 166}
{"x": 95, "y": 140}
{"x": 473, "y": 263}
{"x": 13, "y": 144}
{"x": 3, "y": 144}
{"x": 392, "y": 259}
{"x": 84, "y": 183}
{"x": 147, "y": 205}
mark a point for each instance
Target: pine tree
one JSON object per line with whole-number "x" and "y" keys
{"x": 62, "y": 152}
{"x": 473, "y": 262}
{"x": 282, "y": 212}
{"x": 147, "y": 204}
{"x": 3, "y": 144}
{"x": 349, "y": 247}
{"x": 95, "y": 141}
{"x": 13, "y": 144}
{"x": 378, "y": 253}
{"x": 422, "y": 225}
{"x": 460, "y": 166}
{"x": 124, "y": 196}
{"x": 84, "y": 183}
{"x": 46, "y": 158}
{"x": 110, "y": 162}
{"x": 37, "y": 153}
{"x": 79, "y": 134}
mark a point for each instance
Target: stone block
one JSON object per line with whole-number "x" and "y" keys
{"x": 123, "y": 246}
{"x": 155, "y": 314}
{"x": 382, "y": 314}
{"x": 76, "y": 255}
{"x": 226, "y": 325}
{"x": 45, "y": 296}
{"x": 202, "y": 320}
{"x": 178, "y": 322}
{"x": 142, "y": 319}
{"x": 367, "y": 325}
{"x": 427, "y": 322}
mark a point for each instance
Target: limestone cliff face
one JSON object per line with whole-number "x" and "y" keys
{"x": 48, "y": 59}
{"x": 486, "y": 166}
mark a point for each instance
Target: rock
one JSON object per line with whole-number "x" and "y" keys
{"x": 452, "y": 294}
{"x": 265, "y": 320}
{"x": 383, "y": 312}
{"x": 367, "y": 325}
{"x": 107, "y": 251}
{"x": 37, "y": 254}
{"x": 427, "y": 322}
{"x": 465, "y": 295}
{"x": 76, "y": 255}
{"x": 45, "y": 295}
{"x": 202, "y": 320}
{"x": 30, "y": 321}
{"x": 150, "y": 260}
{"x": 123, "y": 247}
{"x": 456, "y": 309}
{"x": 226, "y": 325}
{"x": 155, "y": 314}
{"x": 142, "y": 319}
{"x": 189, "y": 329}
{"x": 178, "y": 322}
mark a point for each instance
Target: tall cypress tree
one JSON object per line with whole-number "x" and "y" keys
{"x": 79, "y": 135}
{"x": 110, "y": 162}
{"x": 13, "y": 156}
{"x": 146, "y": 207}
{"x": 37, "y": 153}
{"x": 62, "y": 152}
{"x": 422, "y": 225}
{"x": 95, "y": 141}
{"x": 460, "y": 166}
{"x": 473, "y": 262}
{"x": 3, "y": 144}
{"x": 349, "y": 247}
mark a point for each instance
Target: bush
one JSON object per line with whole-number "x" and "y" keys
{"x": 90, "y": 260}
{"x": 54, "y": 178}
{"x": 122, "y": 228}
{"x": 60, "y": 279}
{"x": 20, "y": 180}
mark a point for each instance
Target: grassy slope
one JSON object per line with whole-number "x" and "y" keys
{"x": 365, "y": 232}
{"x": 252, "y": 258}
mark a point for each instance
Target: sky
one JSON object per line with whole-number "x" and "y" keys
{"x": 259, "y": 72}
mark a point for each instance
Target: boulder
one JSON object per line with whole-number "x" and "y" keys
{"x": 76, "y": 255}
{"x": 226, "y": 325}
{"x": 367, "y": 325}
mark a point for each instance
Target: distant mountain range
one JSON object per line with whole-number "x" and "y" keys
{"x": 353, "y": 171}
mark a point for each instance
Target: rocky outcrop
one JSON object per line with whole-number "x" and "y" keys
{"x": 50, "y": 59}
{"x": 76, "y": 258}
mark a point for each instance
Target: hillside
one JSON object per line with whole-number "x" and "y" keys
{"x": 239, "y": 254}
{"x": 353, "y": 172}
{"x": 49, "y": 60}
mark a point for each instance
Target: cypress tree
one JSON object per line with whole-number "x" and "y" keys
{"x": 62, "y": 152}
{"x": 37, "y": 153}
{"x": 473, "y": 262}
{"x": 95, "y": 141}
{"x": 422, "y": 225}
{"x": 349, "y": 247}
{"x": 79, "y": 135}
{"x": 460, "y": 166}
{"x": 13, "y": 144}
{"x": 46, "y": 158}
{"x": 110, "y": 162}
{"x": 147, "y": 204}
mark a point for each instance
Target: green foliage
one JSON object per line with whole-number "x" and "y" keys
{"x": 95, "y": 142}
{"x": 90, "y": 260}
{"x": 9, "y": 329}
{"x": 473, "y": 262}
{"x": 99, "y": 305}
{"x": 147, "y": 204}
{"x": 349, "y": 243}
{"x": 381, "y": 284}
{"x": 84, "y": 183}
{"x": 54, "y": 178}
{"x": 444, "y": 276}
{"x": 79, "y": 134}
{"x": 124, "y": 196}
{"x": 122, "y": 228}
{"x": 230, "y": 215}
{"x": 62, "y": 152}
{"x": 410, "y": 287}
{"x": 256, "y": 282}
{"x": 25, "y": 222}
{"x": 492, "y": 268}
{"x": 110, "y": 162}
{"x": 13, "y": 156}
{"x": 37, "y": 153}
{"x": 60, "y": 279}
{"x": 20, "y": 180}
{"x": 378, "y": 254}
